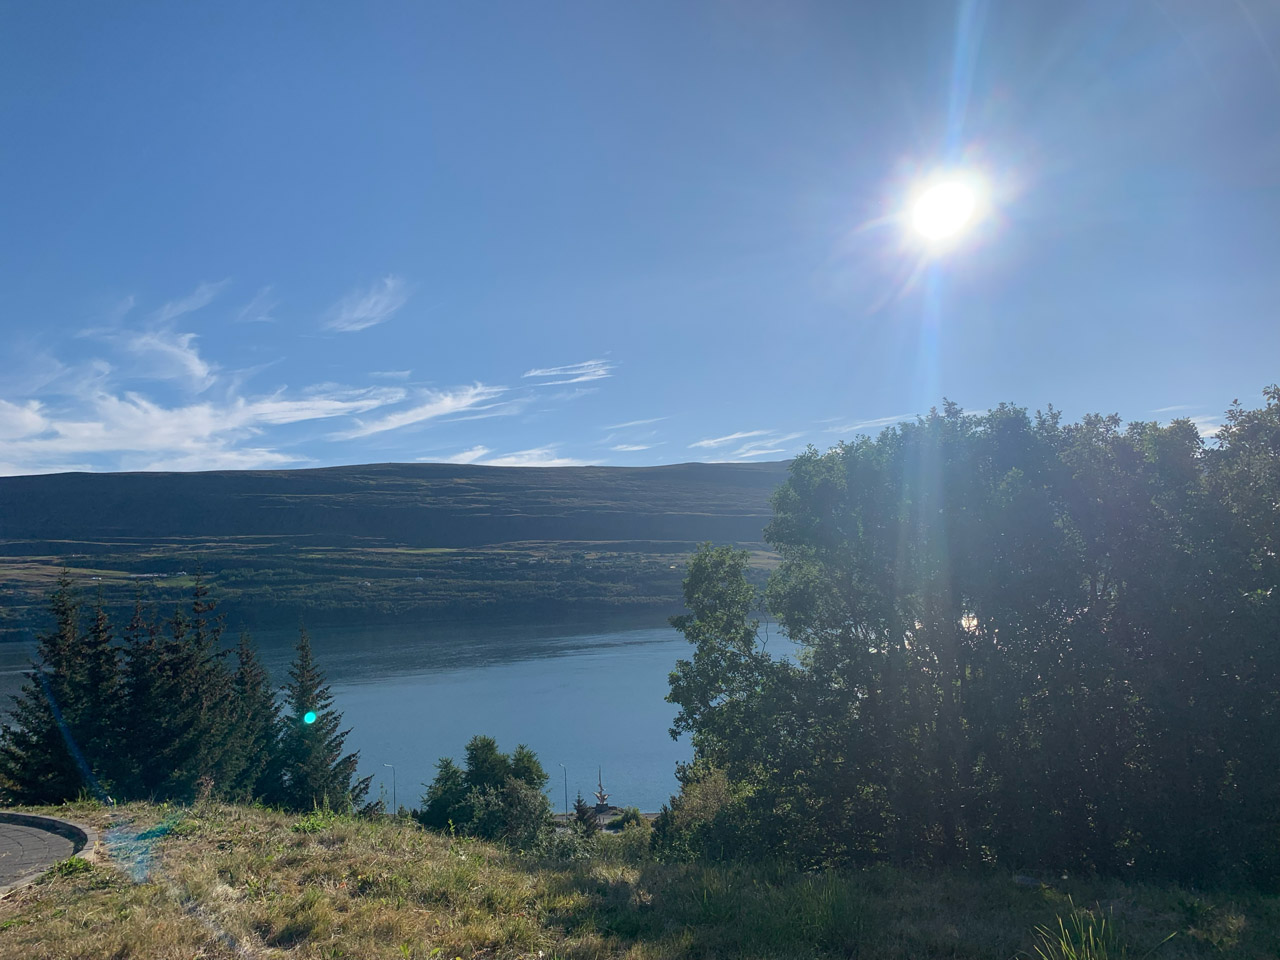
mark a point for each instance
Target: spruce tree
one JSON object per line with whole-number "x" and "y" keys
{"x": 39, "y": 760}
{"x": 188, "y": 714}
{"x": 315, "y": 770}
{"x": 584, "y": 817}
{"x": 257, "y": 728}
{"x": 143, "y": 710}
{"x": 96, "y": 678}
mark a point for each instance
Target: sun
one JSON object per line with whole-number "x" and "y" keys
{"x": 946, "y": 208}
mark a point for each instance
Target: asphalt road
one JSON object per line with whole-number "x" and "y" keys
{"x": 26, "y": 850}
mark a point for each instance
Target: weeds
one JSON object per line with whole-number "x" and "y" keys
{"x": 237, "y": 881}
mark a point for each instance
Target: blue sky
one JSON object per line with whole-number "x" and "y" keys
{"x": 302, "y": 234}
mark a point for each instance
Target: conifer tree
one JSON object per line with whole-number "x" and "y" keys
{"x": 584, "y": 817}
{"x": 257, "y": 728}
{"x": 96, "y": 680}
{"x": 39, "y": 760}
{"x": 141, "y": 683}
{"x": 315, "y": 770}
{"x": 190, "y": 712}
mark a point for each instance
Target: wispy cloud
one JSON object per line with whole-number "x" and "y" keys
{"x": 547, "y": 456}
{"x": 1173, "y": 409}
{"x": 177, "y": 355}
{"x": 633, "y": 447}
{"x": 767, "y": 445}
{"x": 365, "y": 308}
{"x": 436, "y": 403}
{"x": 390, "y": 374}
{"x": 144, "y": 434}
{"x": 23, "y": 420}
{"x": 258, "y": 310}
{"x": 201, "y": 297}
{"x": 722, "y": 441}
{"x": 465, "y": 456}
{"x": 1208, "y": 426}
{"x": 865, "y": 425}
{"x": 634, "y": 423}
{"x": 572, "y": 372}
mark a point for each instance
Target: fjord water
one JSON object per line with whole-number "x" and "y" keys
{"x": 586, "y": 696}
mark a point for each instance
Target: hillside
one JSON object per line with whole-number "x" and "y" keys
{"x": 224, "y": 882}
{"x": 380, "y": 540}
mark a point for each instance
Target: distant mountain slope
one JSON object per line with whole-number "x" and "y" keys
{"x": 379, "y": 542}
{"x": 434, "y": 504}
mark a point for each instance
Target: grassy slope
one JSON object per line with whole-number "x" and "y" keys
{"x": 389, "y": 540}
{"x": 237, "y": 882}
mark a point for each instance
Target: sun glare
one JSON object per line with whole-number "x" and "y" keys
{"x": 945, "y": 209}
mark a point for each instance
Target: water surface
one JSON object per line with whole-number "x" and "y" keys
{"x": 586, "y": 698}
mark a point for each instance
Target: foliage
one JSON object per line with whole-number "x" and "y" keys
{"x": 160, "y": 714}
{"x": 585, "y": 821}
{"x": 39, "y": 760}
{"x": 314, "y": 771}
{"x": 630, "y": 816}
{"x": 495, "y": 796}
{"x": 1051, "y": 645}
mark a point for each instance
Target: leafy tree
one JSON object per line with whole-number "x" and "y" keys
{"x": 315, "y": 772}
{"x": 516, "y": 814}
{"x": 1050, "y": 643}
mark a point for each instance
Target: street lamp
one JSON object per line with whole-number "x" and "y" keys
{"x": 395, "y": 808}
{"x": 566, "y": 790}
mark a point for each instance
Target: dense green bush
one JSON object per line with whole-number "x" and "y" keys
{"x": 495, "y": 796}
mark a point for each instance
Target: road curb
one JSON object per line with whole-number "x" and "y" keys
{"x": 85, "y": 840}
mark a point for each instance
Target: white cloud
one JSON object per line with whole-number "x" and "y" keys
{"x": 140, "y": 433}
{"x": 546, "y": 456}
{"x": 252, "y": 458}
{"x": 437, "y": 403}
{"x": 769, "y": 444}
{"x": 201, "y": 297}
{"x": 633, "y": 447}
{"x": 20, "y": 421}
{"x": 721, "y": 441}
{"x": 1173, "y": 409}
{"x": 464, "y": 456}
{"x": 572, "y": 372}
{"x": 361, "y": 309}
{"x": 390, "y": 374}
{"x": 177, "y": 356}
{"x": 864, "y": 425}
{"x": 634, "y": 423}
{"x": 1208, "y": 426}
{"x": 258, "y": 310}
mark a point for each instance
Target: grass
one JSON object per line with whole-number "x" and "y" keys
{"x": 228, "y": 882}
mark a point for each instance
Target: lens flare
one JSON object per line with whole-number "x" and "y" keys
{"x": 309, "y": 717}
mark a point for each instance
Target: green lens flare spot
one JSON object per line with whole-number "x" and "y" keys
{"x": 309, "y": 717}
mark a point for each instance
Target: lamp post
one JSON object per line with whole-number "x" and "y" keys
{"x": 566, "y": 790}
{"x": 395, "y": 808}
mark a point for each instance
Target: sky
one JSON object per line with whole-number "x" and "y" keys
{"x": 272, "y": 235}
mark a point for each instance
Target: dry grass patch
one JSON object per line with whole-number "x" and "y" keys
{"x": 235, "y": 882}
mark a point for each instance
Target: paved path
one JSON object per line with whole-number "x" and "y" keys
{"x": 27, "y": 850}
